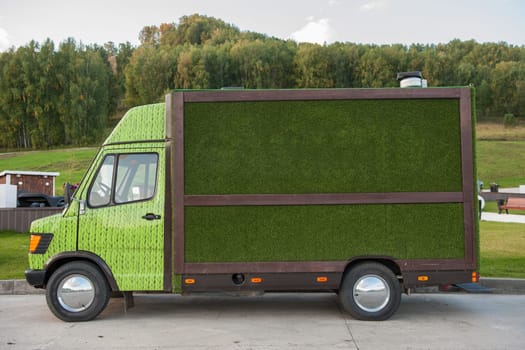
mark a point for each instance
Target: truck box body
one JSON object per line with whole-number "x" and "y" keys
{"x": 277, "y": 190}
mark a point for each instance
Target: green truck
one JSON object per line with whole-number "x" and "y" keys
{"x": 368, "y": 193}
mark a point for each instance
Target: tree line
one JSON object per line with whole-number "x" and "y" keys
{"x": 57, "y": 96}
{"x": 53, "y": 96}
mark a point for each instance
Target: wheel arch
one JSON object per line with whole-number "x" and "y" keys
{"x": 65, "y": 257}
{"x": 383, "y": 260}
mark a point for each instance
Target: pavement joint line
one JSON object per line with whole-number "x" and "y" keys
{"x": 497, "y": 285}
{"x": 347, "y": 324}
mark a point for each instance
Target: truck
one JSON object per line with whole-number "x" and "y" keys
{"x": 367, "y": 193}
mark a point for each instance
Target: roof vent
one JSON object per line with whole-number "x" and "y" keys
{"x": 411, "y": 80}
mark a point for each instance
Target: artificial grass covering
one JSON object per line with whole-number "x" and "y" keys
{"x": 294, "y": 147}
{"x": 322, "y": 233}
{"x": 322, "y": 147}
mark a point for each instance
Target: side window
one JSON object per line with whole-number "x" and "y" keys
{"x": 100, "y": 191}
{"x": 136, "y": 177}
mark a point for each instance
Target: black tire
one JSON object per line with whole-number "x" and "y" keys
{"x": 370, "y": 292}
{"x": 77, "y": 291}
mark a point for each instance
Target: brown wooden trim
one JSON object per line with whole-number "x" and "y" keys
{"x": 268, "y": 282}
{"x": 322, "y": 266}
{"x": 177, "y": 116}
{"x": 467, "y": 169}
{"x": 266, "y": 267}
{"x": 321, "y": 94}
{"x": 436, "y": 278}
{"x": 180, "y": 200}
{"x": 434, "y": 264}
{"x": 307, "y": 281}
{"x": 324, "y": 198}
{"x": 470, "y": 228}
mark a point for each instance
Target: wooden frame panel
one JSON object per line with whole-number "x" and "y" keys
{"x": 175, "y": 112}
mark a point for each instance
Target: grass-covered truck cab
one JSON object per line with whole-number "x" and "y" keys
{"x": 368, "y": 192}
{"x": 113, "y": 227}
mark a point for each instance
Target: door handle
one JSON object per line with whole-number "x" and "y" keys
{"x": 151, "y": 216}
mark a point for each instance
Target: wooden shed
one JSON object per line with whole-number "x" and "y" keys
{"x": 30, "y": 181}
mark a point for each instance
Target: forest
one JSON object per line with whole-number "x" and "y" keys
{"x": 69, "y": 93}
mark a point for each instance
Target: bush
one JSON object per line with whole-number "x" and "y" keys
{"x": 509, "y": 120}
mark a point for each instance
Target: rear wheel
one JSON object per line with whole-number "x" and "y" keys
{"x": 77, "y": 291}
{"x": 370, "y": 291}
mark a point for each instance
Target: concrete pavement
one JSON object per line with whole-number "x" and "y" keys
{"x": 487, "y": 216}
{"x": 272, "y": 321}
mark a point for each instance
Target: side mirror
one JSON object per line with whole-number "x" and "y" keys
{"x": 69, "y": 190}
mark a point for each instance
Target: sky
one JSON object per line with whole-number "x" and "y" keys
{"x": 319, "y": 21}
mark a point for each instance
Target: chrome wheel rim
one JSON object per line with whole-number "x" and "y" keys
{"x": 76, "y": 293}
{"x": 371, "y": 293}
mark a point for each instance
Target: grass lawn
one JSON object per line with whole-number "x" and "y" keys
{"x": 71, "y": 163}
{"x": 500, "y": 153}
{"x": 502, "y": 162}
{"x": 13, "y": 254}
{"x": 502, "y": 251}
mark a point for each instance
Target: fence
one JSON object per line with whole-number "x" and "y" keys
{"x": 19, "y": 219}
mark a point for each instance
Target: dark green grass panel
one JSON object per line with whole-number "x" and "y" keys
{"x": 322, "y": 146}
{"x": 316, "y": 233}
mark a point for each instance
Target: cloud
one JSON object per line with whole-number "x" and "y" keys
{"x": 373, "y": 6}
{"x": 4, "y": 40}
{"x": 314, "y": 31}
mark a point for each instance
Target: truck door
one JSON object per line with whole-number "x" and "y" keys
{"x": 123, "y": 219}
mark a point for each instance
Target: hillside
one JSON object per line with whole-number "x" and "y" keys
{"x": 71, "y": 163}
{"x": 500, "y": 154}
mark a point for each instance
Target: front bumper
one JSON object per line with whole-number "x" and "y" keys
{"x": 36, "y": 278}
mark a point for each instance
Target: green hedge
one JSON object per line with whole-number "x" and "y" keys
{"x": 322, "y": 146}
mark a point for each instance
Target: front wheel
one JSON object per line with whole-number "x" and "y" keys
{"x": 77, "y": 291}
{"x": 370, "y": 292}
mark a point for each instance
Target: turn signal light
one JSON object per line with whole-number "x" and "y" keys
{"x": 34, "y": 242}
{"x": 475, "y": 277}
{"x": 189, "y": 280}
{"x": 256, "y": 280}
{"x": 422, "y": 278}
{"x": 322, "y": 279}
{"x": 39, "y": 242}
